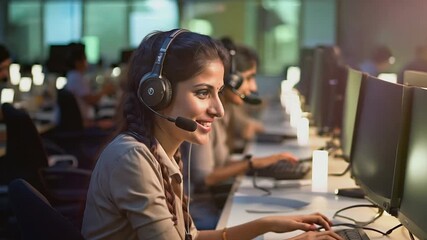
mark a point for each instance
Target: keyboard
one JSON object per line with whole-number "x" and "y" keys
{"x": 273, "y": 137}
{"x": 352, "y": 234}
{"x": 284, "y": 170}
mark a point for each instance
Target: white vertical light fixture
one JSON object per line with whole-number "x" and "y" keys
{"x": 303, "y": 133}
{"x": 319, "y": 177}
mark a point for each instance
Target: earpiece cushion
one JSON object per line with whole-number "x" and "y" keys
{"x": 234, "y": 80}
{"x": 155, "y": 92}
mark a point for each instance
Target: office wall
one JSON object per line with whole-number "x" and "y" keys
{"x": 318, "y": 22}
{"x": 3, "y": 20}
{"x": 364, "y": 24}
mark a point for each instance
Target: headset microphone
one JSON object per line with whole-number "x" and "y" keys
{"x": 181, "y": 122}
{"x": 250, "y": 99}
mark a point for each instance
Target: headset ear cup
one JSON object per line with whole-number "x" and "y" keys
{"x": 235, "y": 80}
{"x": 155, "y": 92}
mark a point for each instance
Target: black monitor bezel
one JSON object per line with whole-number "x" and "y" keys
{"x": 388, "y": 204}
{"x": 412, "y": 226}
{"x": 352, "y": 74}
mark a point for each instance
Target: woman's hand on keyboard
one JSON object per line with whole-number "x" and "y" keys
{"x": 309, "y": 222}
{"x": 325, "y": 235}
{"x": 262, "y": 162}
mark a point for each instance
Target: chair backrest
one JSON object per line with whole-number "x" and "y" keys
{"x": 70, "y": 117}
{"x": 36, "y": 217}
{"x": 25, "y": 153}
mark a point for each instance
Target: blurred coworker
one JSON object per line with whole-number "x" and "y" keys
{"x": 212, "y": 165}
{"x": 5, "y": 61}
{"x": 79, "y": 84}
{"x": 419, "y": 63}
{"x": 242, "y": 125}
{"x": 381, "y": 59}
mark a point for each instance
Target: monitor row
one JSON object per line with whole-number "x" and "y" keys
{"x": 384, "y": 137}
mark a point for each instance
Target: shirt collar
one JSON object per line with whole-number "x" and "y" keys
{"x": 171, "y": 165}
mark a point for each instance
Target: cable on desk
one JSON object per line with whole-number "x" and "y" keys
{"x": 255, "y": 185}
{"x": 378, "y": 215}
{"x": 393, "y": 228}
{"x": 342, "y": 173}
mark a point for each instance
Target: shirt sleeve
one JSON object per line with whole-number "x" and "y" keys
{"x": 202, "y": 164}
{"x": 78, "y": 84}
{"x": 137, "y": 190}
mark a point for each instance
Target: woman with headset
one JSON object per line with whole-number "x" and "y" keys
{"x": 171, "y": 95}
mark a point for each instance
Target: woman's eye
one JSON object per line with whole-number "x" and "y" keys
{"x": 202, "y": 93}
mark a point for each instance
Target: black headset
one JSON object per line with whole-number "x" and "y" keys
{"x": 234, "y": 79}
{"x": 154, "y": 90}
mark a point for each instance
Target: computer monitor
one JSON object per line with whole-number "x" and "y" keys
{"x": 57, "y": 62}
{"x": 412, "y": 212}
{"x": 376, "y": 154}
{"x": 306, "y": 66}
{"x": 415, "y": 78}
{"x": 327, "y": 89}
{"x": 351, "y": 98}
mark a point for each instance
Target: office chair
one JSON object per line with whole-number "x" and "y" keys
{"x": 71, "y": 134}
{"x": 36, "y": 217}
{"x": 64, "y": 185}
{"x": 24, "y": 150}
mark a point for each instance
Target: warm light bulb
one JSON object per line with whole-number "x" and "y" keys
{"x": 60, "y": 82}
{"x": 7, "y": 95}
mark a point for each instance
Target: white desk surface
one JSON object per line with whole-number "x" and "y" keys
{"x": 296, "y": 197}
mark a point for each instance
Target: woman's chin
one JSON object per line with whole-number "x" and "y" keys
{"x": 200, "y": 140}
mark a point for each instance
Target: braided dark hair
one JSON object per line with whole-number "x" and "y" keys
{"x": 187, "y": 57}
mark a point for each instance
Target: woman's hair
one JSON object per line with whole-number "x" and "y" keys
{"x": 246, "y": 58}
{"x": 187, "y": 56}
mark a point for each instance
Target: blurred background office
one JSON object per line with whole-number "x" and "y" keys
{"x": 277, "y": 29}
{"x": 36, "y": 34}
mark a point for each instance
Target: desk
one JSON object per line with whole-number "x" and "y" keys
{"x": 244, "y": 196}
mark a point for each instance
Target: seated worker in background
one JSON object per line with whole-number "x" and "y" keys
{"x": 244, "y": 127}
{"x": 79, "y": 84}
{"x": 212, "y": 164}
{"x": 419, "y": 63}
{"x": 136, "y": 188}
{"x": 380, "y": 61}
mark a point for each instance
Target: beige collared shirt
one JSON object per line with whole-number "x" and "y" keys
{"x": 126, "y": 197}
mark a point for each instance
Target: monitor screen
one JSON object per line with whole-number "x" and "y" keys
{"x": 327, "y": 89}
{"x": 56, "y": 62}
{"x": 375, "y": 151}
{"x": 412, "y": 212}
{"x": 415, "y": 78}
{"x": 351, "y": 97}
{"x": 316, "y": 85}
{"x": 306, "y": 66}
